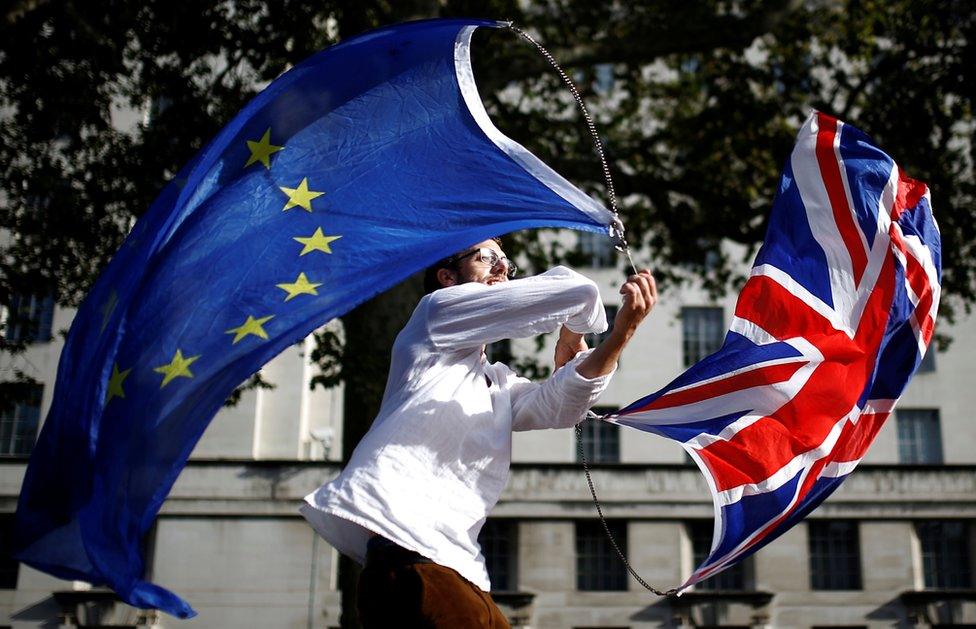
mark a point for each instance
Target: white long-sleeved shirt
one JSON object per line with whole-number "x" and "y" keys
{"x": 437, "y": 456}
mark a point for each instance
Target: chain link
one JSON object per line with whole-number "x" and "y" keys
{"x": 599, "y": 509}
{"x": 616, "y": 227}
{"x": 620, "y": 243}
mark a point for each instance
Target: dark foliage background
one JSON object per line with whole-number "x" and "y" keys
{"x": 698, "y": 104}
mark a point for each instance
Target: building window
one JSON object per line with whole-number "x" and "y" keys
{"x": 945, "y": 554}
{"x": 499, "y": 544}
{"x": 601, "y": 440}
{"x": 598, "y": 568}
{"x": 596, "y": 250}
{"x": 29, "y": 319}
{"x": 603, "y": 78}
{"x": 592, "y": 340}
{"x": 19, "y": 422}
{"x": 734, "y": 578}
{"x": 702, "y": 331}
{"x": 835, "y": 556}
{"x": 928, "y": 361}
{"x": 8, "y": 565}
{"x": 919, "y": 435}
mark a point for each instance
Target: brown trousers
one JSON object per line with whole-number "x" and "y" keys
{"x": 399, "y": 588}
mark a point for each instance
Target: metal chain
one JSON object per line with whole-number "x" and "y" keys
{"x": 606, "y": 528}
{"x": 620, "y": 243}
{"x": 617, "y": 227}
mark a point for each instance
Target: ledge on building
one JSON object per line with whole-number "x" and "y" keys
{"x": 99, "y": 607}
{"x": 717, "y": 607}
{"x": 517, "y": 606}
{"x": 752, "y": 598}
{"x": 940, "y": 606}
{"x": 924, "y": 597}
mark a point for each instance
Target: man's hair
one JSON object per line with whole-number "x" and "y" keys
{"x": 431, "y": 283}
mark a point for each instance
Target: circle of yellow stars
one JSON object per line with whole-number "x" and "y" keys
{"x": 301, "y": 196}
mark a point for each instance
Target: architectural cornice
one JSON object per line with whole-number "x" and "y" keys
{"x": 212, "y": 488}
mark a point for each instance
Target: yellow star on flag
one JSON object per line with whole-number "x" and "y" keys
{"x": 300, "y": 286}
{"x": 178, "y": 367}
{"x": 115, "y": 383}
{"x": 251, "y": 326}
{"x": 316, "y": 242}
{"x": 300, "y": 196}
{"x": 262, "y": 150}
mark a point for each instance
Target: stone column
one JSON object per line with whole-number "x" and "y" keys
{"x": 547, "y": 556}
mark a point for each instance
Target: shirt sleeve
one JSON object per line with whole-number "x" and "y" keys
{"x": 473, "y": 314}
{"x": 559, "y": 402}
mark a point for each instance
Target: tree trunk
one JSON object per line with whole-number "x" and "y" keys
{"x": 370, "y": 331}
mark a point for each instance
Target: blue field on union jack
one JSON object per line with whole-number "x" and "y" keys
{"x": 833, "y": 321}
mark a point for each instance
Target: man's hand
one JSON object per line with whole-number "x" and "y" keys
{"x": 640, "y": 296}
{"x": 568, "y": 345}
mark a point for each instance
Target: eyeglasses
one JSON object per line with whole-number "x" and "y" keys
{"x": 490, "y": 257}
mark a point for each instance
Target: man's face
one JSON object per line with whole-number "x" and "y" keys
{"x": 472, "y": 269}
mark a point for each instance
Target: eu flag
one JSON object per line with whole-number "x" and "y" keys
{"x": 355, "y": 169}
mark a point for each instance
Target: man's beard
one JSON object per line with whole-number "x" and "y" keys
{"x": 472, "y": 276}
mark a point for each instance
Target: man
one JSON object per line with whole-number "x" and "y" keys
{"x": 418, "y": 487}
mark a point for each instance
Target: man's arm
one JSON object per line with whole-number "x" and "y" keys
{"x": 473, "y": 314}
{"x": 639, "y": 297}
{"x": 562, "y": 400}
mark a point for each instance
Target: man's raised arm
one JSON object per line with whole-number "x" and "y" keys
{"x": 640, "y": 295}
{"x": 562, "y": 400}
{"x": 473, "y": 314}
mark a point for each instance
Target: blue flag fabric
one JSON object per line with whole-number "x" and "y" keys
{"x": 352, "y": 171}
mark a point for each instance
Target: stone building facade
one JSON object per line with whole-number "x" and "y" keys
{"x": 892, "y": 548}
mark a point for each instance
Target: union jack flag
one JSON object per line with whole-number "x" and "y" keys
{"x": 834, "y": 319}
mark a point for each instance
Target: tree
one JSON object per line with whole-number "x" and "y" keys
{"x": 698, "y": 104}
{"x": 707, "y": 98}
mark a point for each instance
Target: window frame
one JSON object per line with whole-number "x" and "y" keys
{"x": 502, "y": 530}
{"x": 695, "y": 341}
{"x": 735, "y": 578}
{"x": 14, "y": 441}
{"x": 601, "y": 439}
{"x": 595, "y": 250}
{"x": 941, "y": 568}
{"x": 598, "y": 568}
{"x": 919, "y": 444}
{"x": 828, "y": 571}
{"x": 29, "y": 318}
